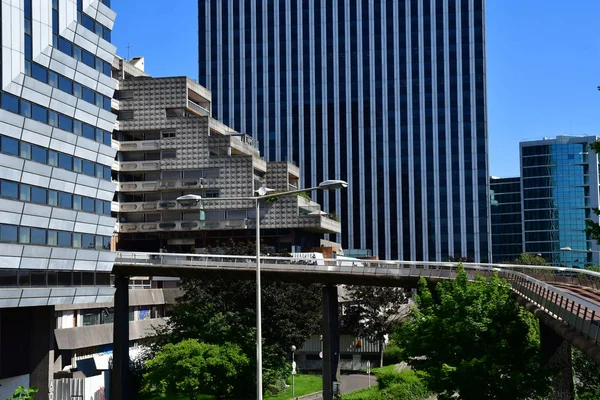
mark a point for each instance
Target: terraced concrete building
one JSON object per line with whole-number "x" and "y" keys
{"x": 169, "y": 146}
{"x": 55, "y": 176}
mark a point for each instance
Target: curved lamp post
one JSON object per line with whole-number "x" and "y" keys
{"x": 262, "y": 194}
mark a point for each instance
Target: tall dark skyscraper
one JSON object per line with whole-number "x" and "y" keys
{"x": 389, "y": 95}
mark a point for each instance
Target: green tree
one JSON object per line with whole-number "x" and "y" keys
{"x": 373, "y": 311}
{"x": 529, "y": 259}
{"x": 219, "y": 311}
{"x": 587, "y": 372}
{"x": 472, "y": 340}
{"x": 192, "y": 368}
{"x": 23, "y": 393}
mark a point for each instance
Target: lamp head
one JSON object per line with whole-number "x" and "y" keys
{"x": 261, "y": 191}
{"x": 189, "y": 199}
{"x": 332, "y": 184}
{"x": 293, "y": 348}
{"x": 566, "y": 248}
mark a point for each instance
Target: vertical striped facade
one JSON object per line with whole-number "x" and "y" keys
{"x": 388, "y": 95}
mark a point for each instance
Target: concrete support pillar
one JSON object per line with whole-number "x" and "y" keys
{"x": 557, "y": 355}
{"x": 331, "y": 339}
{"x": 41, "y": 350}
{"x": 120, "y": 372}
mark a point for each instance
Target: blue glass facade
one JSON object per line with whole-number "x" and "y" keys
{"x": 388, "y": 95}
{"x": 560, "y": 186}
{"x": 507, "y": 232}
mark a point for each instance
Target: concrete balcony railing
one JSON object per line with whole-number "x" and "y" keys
{"x": 320, "y": 223}
{"x": 136, "y": 165}
{"x": 164, "y": 184}
{"x": 197, "y": 108}
{"x": 139, "y": 145}
{"x": 178, "y": 226}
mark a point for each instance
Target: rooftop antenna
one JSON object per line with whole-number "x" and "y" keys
{"x": 128, "y": 48}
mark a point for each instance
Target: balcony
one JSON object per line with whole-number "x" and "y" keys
{"x": 164, "y": 184}
{"x": 136, "y": 165}
{"x": 139, "y": 145}
{"x": 197, "y": 108}
{"x": 181, "y": 226}
{"x": 321, "y": 223}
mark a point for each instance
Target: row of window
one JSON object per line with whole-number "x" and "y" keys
{"x": 69, "y": 86}
{"x": 45, "y": 278}
{"x": 39, "y": 195}
{"x": 50, "y": 237}
{"x": 43, "y": 155}
{"x": 42, "y": 114}
{"x": 80, "y": 54}
{"x": 92, "y": 25}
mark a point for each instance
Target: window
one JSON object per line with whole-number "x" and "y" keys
{"x": 39, "y": 113}
{"x": 88, "y": 58}
{"x": 64, "y": 239}
{"x": 77, "y": 164}
{"x": 52, "y": 79}
{"x": 76, "y": 202}
{"x": 52, "y": 197}
{"x": 77, "y": 92}
{"x": 107, "y": 207}
{"x": 52, "y": 118}
{"x": 25, "y": 150}
{"x": 65, "y": 123}
{"x": 77, "y": 127}
{"x": 39, "y": 154}
{"x": 25, "y": 193}
{"x": 9, "y": 146}
{"x": 77, "y": 240}
{"x": 99, "y": 243}
{"x": 25, "y": 108}
{"x": 125, "y": 94}
{"x": 107, "y": 138}
{"x": 65, "y": 200}
{"x": 38, "y": 195}
{"x": 107, "y": 173}
{"x": 65, "y": 46}
{"x": 168, "y": 154}
{"x": 125, "y": 115}
{"x": 89, "y": 131}
{"x": 38, "y": 72}
{"x": 88, "y": 204}
{"x": 52, "y": 238}
{"x": 88, "y": 241}
{"x": 9, "y": 189}
{"x": 88, "y": 95}
{"x": 8, "y": 233}
{"x": 38, "y": 236}
{"x": 10, "y": 102}
{"x": 168, "y": 133}
{"x": 65, "y": 161}
{"x": 65, "y": 84}
{"x": 88, "y": 168}
{"x": 52, "y": 158}
{"x": 24, "y": 235}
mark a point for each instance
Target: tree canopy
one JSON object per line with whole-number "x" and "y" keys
{"x": 530, "y": 259}
{"x": 473, "y": 340}
{"x": 220, "y": 311}
{"x": 373, "y": 311}
{"x": 193, "y": 368}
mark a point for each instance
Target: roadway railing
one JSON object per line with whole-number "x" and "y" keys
{"x": 551, "y": 288}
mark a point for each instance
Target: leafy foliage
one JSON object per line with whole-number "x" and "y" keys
{"x": 587, "y": 372}
{"x": 530, "y": 259}
{"x": 392, "y": 385}
{"x": 193, "y": 368}
{"x": 473, "y": 340}
{"x": 23, "y": 393}
{"x": 374, "y": 311}
{"x": 224, "y": 311}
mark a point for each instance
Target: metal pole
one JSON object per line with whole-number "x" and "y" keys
{"x": 293, "y": 375}
{"x": 259, "y": 392}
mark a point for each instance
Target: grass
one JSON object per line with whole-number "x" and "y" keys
{"x": 362, "y": 394}
{"x": 304, "y": 384}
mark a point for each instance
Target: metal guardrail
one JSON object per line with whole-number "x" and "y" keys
{"x": 576, "y": 311}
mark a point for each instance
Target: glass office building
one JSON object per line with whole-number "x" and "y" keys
{"x": 388, "y": 95}
{"x": 507, "y": 232}
{"x": 559, "y": 189}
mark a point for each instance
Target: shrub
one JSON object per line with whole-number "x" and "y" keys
{"x": 392, "y": 354}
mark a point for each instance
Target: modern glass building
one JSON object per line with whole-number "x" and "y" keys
{"x": 559, "y": 189}
{"x": 507, "y": 231}
{"x": 55, "y": 176}
{"x": 388, "y": 95}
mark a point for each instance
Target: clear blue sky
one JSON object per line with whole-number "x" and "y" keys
{"x": 543, "y": 64}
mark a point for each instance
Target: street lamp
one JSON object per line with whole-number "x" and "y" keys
{"x": 562, "y": 256}
{"x": 263, "y": 193}
{"x": 293, "y": 369}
